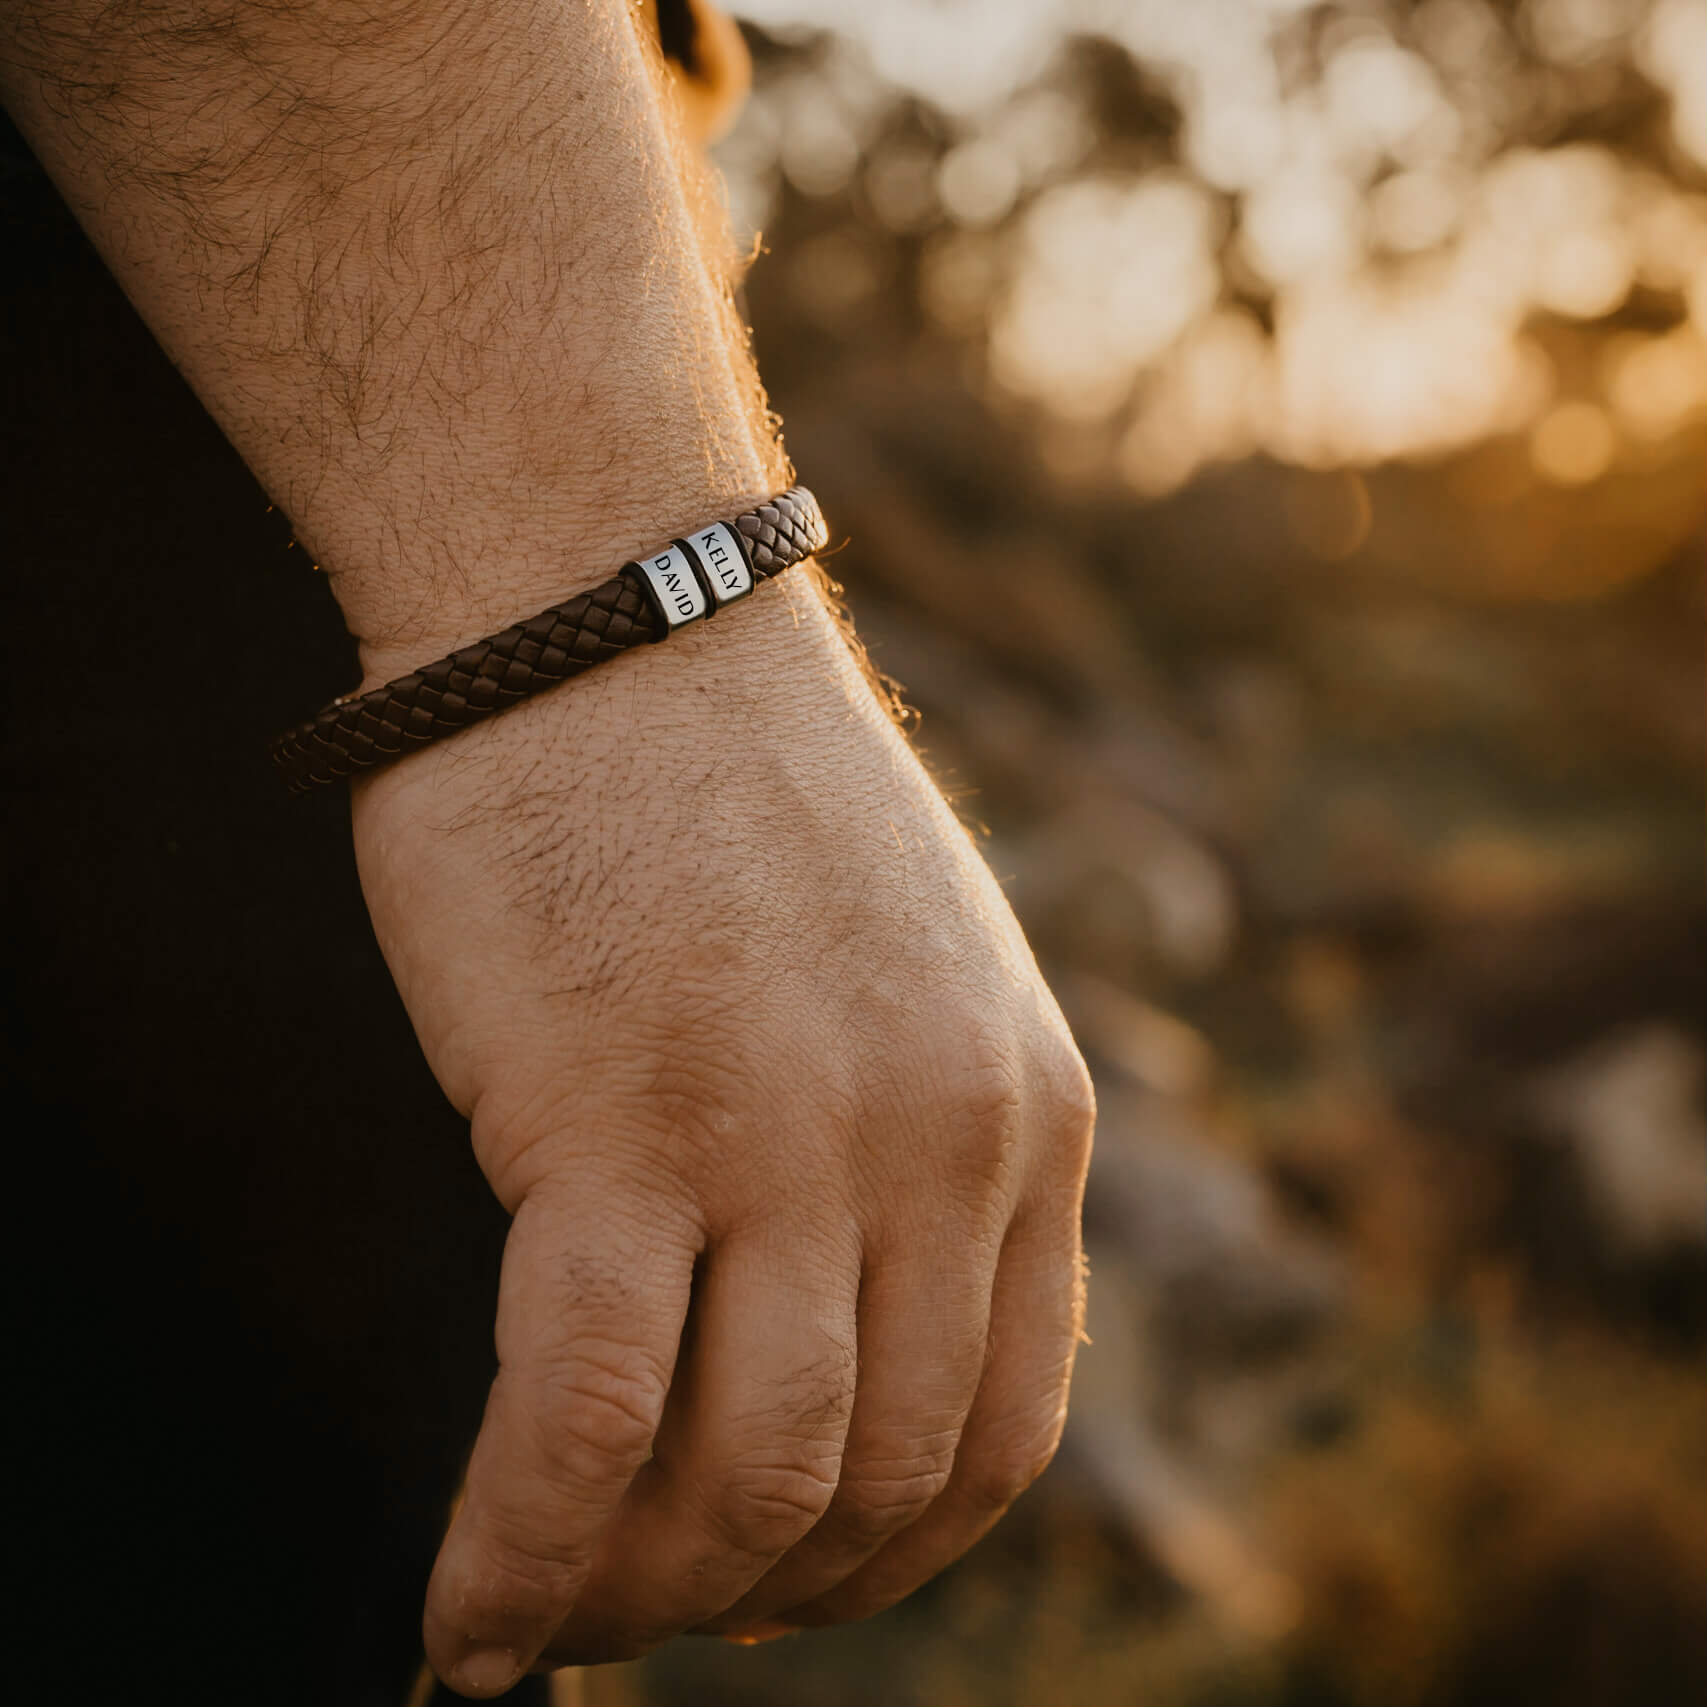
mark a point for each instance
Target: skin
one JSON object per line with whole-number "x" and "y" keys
{"x": 752, "y": 1048}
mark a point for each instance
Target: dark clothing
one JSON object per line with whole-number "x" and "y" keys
{"x": 258, "y": 1271}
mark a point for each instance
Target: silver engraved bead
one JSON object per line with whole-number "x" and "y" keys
{"x": 674, "y": 584}
{"x": 727, "y": 571}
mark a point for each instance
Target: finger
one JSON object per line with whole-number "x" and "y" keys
{"x": 590, "y": 1313}
{"x": 1011, "y": 1432}
{"x": 924, "y": 1318}
{"x": 748, "y": 1456}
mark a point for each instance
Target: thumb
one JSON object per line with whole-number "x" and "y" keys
{"x": 591, "y": 1307}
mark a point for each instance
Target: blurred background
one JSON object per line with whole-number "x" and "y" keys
{"x": 1270, "y": 442}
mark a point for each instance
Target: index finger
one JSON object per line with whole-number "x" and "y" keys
{"x": 590, "y": 1316}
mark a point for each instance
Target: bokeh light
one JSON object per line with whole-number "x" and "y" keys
{"x": 1398, "y": 195}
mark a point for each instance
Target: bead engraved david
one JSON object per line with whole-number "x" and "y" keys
{"x": 675, "y": 587}
{"x": 726, "y": 570}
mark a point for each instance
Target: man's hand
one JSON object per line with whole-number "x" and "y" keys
{"x": 793, "y": 1134}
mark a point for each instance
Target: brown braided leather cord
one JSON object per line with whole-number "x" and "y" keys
{"x": 490, "y": 675}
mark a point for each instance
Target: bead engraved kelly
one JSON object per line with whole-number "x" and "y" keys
{"x": 727, "y": 572}
{"x": 675, "y": 587}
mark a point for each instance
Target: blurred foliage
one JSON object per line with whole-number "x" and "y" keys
{"x": 1335, "y": 233}
{"x": 1270, "y": 441}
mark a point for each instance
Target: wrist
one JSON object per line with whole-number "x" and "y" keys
{"x": 688, "y": 580}
{"x": 525, "y": 565}
{"x": 771, "y": 677}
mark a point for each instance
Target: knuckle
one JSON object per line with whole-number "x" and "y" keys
{"x": 762, "y": 1508}
{"x": 873, "y": 1501}
{"x": 983, "y": 1125}
{"x": 771, "y": 1494}
{"x": 996, "y": 1476}
{"x": 991, "y": 1098}
{"x": 1073, "y": 1112}
{"x": 1065, "y": 1116}
{"x": 596, "y": 1415}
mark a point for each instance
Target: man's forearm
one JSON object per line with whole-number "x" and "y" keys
{"x": 432, "y": 267}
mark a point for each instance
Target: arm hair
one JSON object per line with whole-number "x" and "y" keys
{"x": 438, "y": 271}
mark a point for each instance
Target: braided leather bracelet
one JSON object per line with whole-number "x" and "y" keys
{"x": 642, "y": 602}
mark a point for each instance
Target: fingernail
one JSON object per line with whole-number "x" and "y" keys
{"x": 764, "y": 1632}
{"x": 487, "y": 1671}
